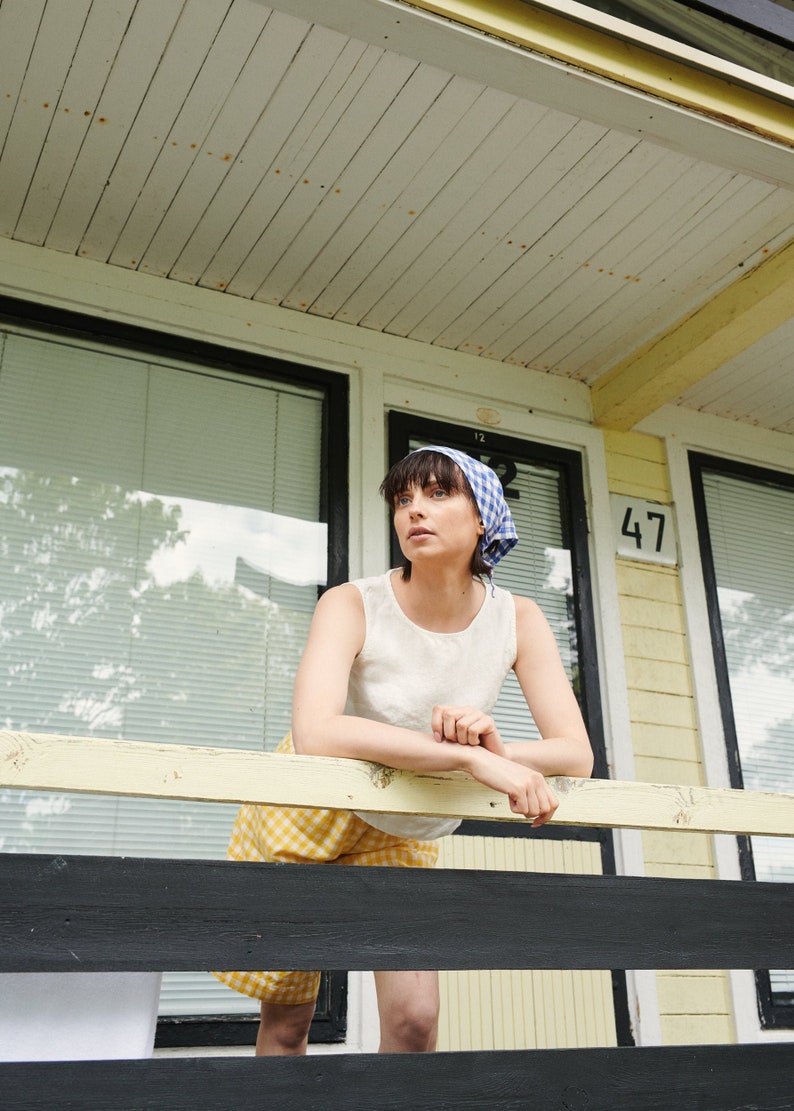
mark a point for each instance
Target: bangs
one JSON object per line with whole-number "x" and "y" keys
{"x": 420, "y": 469}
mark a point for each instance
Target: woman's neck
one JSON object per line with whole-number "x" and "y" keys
{"x": 443, "y": 603}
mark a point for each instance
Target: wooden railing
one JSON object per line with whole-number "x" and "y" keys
{"x": 79, "y": 913}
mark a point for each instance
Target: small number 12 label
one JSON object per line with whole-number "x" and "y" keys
{"x": 644, "y": 530}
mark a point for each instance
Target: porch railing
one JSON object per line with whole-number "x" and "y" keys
{"x": 81, "y": 913}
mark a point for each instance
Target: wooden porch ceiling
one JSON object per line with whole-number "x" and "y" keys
{"x": 377, "y": 164}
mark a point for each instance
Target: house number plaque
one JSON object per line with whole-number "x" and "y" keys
{"x": 644, "y": 530}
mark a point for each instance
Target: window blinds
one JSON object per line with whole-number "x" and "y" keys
{"x": 751, "y": 528}
{"x": 161, "y": 556}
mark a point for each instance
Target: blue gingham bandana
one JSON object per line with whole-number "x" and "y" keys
{"x": 500, "y": 533}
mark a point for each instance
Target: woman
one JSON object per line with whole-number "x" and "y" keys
{"x": 403, "y": 669}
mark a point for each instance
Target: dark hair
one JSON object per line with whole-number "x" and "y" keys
{"x": 419, "y": 469}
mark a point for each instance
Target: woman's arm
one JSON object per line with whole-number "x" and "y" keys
{"x": 564, "y": 748}
{"x": 320, "y": 726}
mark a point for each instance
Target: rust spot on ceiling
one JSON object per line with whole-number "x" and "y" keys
{"x": 489, "y": 416}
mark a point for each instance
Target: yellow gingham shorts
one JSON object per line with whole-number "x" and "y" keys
{"x": 296, "y": 835}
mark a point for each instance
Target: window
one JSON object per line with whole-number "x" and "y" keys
{"x": 746, "y": 526}
{"x": 165, "y": 530}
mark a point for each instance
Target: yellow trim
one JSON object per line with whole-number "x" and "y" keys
{"x": 700, "y": 343}
{"x": 571, "y": 38}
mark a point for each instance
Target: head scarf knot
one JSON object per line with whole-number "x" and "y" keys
{"x": 500, "y": 534}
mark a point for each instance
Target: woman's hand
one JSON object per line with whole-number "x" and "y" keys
{"x": 467, "y": 726}
{"x": 527, "y": 790}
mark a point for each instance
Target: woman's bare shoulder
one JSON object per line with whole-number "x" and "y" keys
{"x": 343, "y": 598}
{"x": 527, "y": 609}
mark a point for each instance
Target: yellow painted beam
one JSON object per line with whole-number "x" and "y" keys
{"x": 580, "y": 36}
{"x": 698, "y": 344}
{"x": 47, "y": 761}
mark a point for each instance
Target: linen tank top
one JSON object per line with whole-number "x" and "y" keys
{"x": 403, "y": 671}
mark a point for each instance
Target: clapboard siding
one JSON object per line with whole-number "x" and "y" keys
{"x": 711, "y": 1029}
{"x": 681, "y": 849}
{"x": 695, "y": 1005}
{"x": 651, "y": 738}
{"x": 649, "y": 582}
{"x": 660, "y": 676}
{"x": 664, "y": 728}
{"x": 651, "y": 706}
{"x": 646, "y": 613}
{"x": 637, "y": 465}
{"x": 653, "y": 644}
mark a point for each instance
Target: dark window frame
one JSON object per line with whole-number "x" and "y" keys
{"x": 773, "y": 1015}
{"x": 330, "y": 1022}
{"x": 484, "y": 443}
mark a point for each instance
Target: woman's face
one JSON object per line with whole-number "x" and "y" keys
{"x": 432, "y": 523}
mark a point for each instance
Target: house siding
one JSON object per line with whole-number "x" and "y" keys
{"x": 693, "y": 1006}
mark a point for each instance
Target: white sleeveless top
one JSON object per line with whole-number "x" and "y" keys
{"x": 403, "y": 671}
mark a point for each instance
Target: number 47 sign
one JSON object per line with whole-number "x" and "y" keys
{"x": 644, "y": 530}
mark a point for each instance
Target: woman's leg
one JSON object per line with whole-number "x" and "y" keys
{"x": 284, "y": 1029}
{"x": 408, "y": 1004}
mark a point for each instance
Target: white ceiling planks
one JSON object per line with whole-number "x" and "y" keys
{"x": 330, "y": 150}
{"x": 133, "y": 67}
{"x": 762, "y": 397}
{"x": 364, "y": 245}
{"x": 209, "y": 255}
{"x": 671, "y": 191}
{"x": 428, "y": 258}
{"x": 691, "y": 257}
{"x": 245, "y": 63}
{"x": 544, "y": 239}
{"x": 585, "y": 265}
{"x": 19, "y": 27}
{"x": 264, "y": 180}
{"x": 36, "y": 98}
{"x": 132, "y": 202}
{"x": 389, "y": 113}
{"x": 402, "y": 177}
{"x": 226, "y": 144}
{"x": 74, "y": 112}
{"x": 438, "y": 211}
{"x": 490, "y": 257}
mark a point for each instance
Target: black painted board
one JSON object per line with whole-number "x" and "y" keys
{"x": 709, "y": 1078}
{"x": 99, "y": 914}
